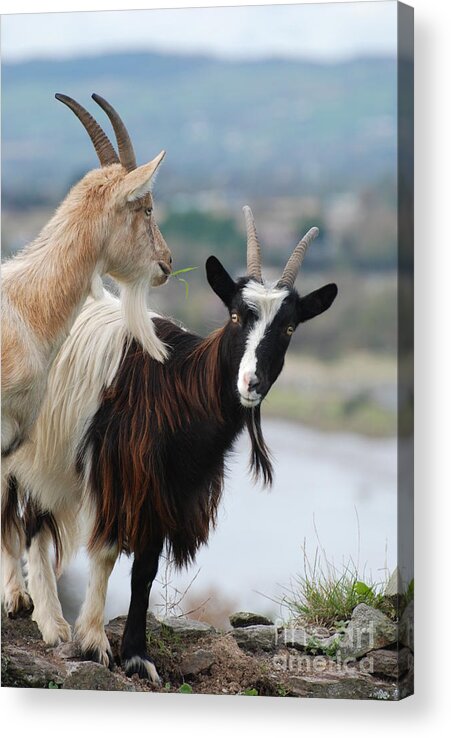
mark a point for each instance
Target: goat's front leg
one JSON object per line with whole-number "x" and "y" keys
{"x": 16, "y": 600}
{"x": 135, "y": 659}
{"x": 89, "y": 628}
{"x": 42, "y": 586}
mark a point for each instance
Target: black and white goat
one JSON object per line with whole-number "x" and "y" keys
{"x": 141, "y": 445}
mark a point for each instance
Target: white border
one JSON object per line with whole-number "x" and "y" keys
{"x": 53, "y": 6}
{"x": 39, "y": 713}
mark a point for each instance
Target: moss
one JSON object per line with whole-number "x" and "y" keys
{"x": 165, "y": 649}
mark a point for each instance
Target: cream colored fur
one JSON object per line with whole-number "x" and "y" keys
{"x": 99, "y": 228}
{"x": 89, "y": 628}
{"x": 42, "y": 588}
{"x": 15, "y": 596}
{"x": 86, "y": 364}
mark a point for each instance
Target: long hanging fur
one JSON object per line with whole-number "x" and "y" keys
{"x": 136, "y": 318}
{"x": 13, "y": 533}
{"x": 260, "y": 459}
{"x": 34, "y": 520}
{"x": 140, "y": 447}
{"x": 22, "y": 519}
{"x": 159, "y": 440}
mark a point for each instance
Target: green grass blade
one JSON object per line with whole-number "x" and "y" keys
{"x": 180, "y": 279}
{"x": 183, "y": 271}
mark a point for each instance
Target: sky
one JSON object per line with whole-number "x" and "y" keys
{"x": 315, "y": 31}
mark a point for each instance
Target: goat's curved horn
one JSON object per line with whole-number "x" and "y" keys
{"x": 297, "y": 257}
{"x": 254, "y": 260}
{"x": 124, "y": 143}
{"x": 102, "y": 143}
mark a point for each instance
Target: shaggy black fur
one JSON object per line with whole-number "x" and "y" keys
{"x": 160, "y": 443}
{"x": 160, "y": 438}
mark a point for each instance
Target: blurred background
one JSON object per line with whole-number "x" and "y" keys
{"x": 292, "y": 110}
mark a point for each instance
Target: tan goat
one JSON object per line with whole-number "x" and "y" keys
{"x": 105, "y": 225}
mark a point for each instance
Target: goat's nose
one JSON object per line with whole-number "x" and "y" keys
{"x": 253, "y": 383}
{"x": 165, "y": 268}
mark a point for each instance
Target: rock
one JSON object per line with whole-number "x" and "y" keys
{"x": 186, "y": 627}
{"x": 245, "y": 619}
{"x": 343, "y": 688}
{"x": 318, "y": 632}
{"x": 19, "y": 629}
{"x": 89, "y": 675}
{"x": 197, "y": 662}
{"x": 369, "y": 629}
{"x": 216, "y": 663}
{"x": 23, "y": 669}
{"x": 395, "y": 591}
{"x": 294, "y": 638}
{"x": 302, "y": 640}
{"x": 388, "y": 664}
{"x": 256, "y": 637}
{"x": 395, "y": 586}
{"x": 152, "y": 624}
{"x": 406, "y": 627}
{"x": 68, "y": 651}
{"x": 115, "y": 629}
{"x": 333, "y": 641}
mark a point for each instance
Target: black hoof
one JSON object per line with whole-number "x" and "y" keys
{"x": 143, "y": 667}
{"x": 99, "y": 657}
{"x": 23, "y": 609}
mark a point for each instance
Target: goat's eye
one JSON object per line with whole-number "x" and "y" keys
{"x": 290, "y": 330}
{"x": 148, "y": 212}
{"x": 235, "y": 317}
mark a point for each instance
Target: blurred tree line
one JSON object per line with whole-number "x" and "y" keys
{"x": 357, "y": 248}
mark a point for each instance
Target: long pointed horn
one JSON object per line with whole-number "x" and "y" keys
{"x": 297, "y": 257}
{"x": 254, "y": 259}
{"x": 102, "y": 143}
{"x": 124, "y": 143}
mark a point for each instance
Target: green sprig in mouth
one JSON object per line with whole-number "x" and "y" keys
{"x": 181, "y": 279}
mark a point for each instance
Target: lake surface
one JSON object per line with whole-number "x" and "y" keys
{"x": 335, "y": 493}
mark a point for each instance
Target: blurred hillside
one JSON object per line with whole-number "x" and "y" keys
{"x": 270, "y": 127}
{"x": 303, "y": 143}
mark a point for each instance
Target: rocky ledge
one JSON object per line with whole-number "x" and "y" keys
{"x": 370, "y": 658}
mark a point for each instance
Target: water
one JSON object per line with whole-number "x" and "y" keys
{"x": 331, "y": 491}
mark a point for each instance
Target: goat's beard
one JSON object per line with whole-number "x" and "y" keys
{"x": 259, "y": 463}
{"x": 138, "y": 321}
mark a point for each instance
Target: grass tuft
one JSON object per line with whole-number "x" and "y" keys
{"x": 325, "y": 595}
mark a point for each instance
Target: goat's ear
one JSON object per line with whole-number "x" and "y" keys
{"x": 139, "y": 181}
{"x": 220, "y": 280}
{"x": 316, "y": 302}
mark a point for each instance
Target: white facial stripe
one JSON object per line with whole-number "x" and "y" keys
{"x": 266, "y": 300}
